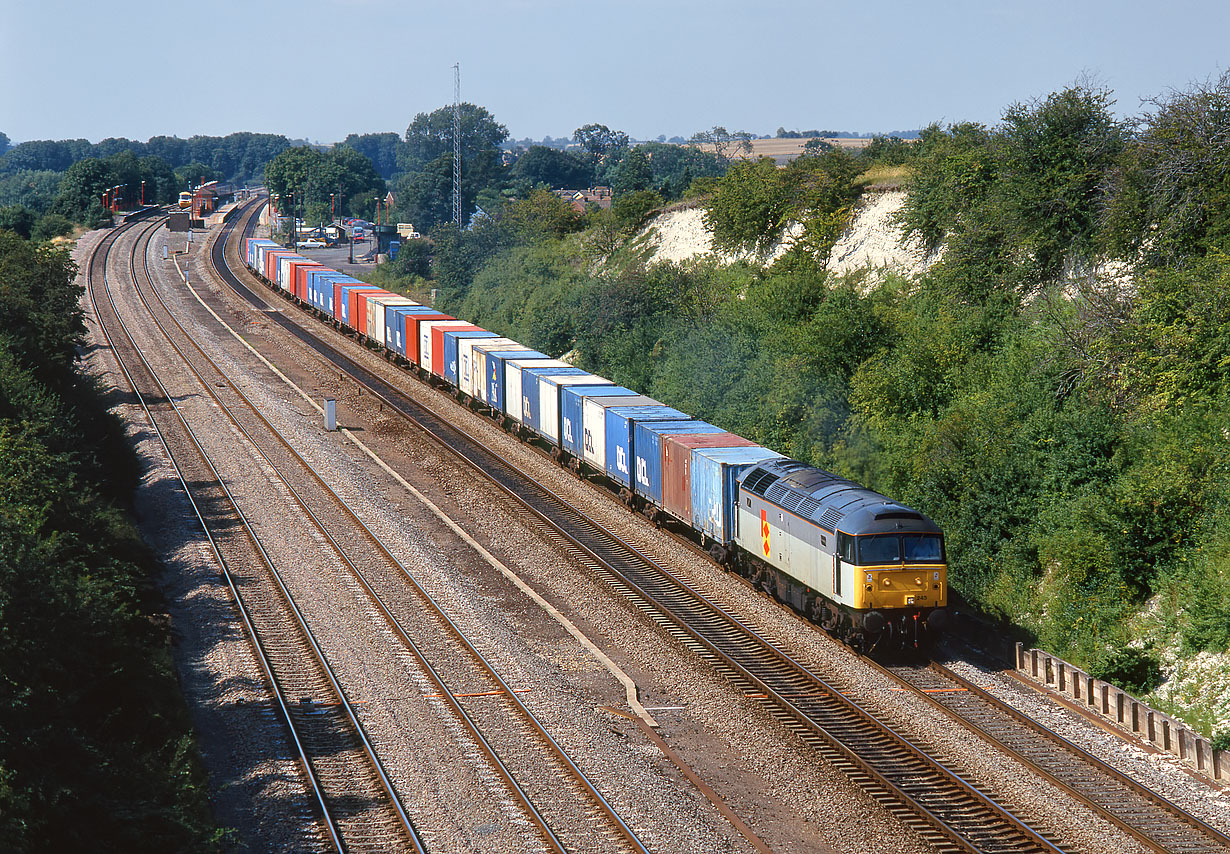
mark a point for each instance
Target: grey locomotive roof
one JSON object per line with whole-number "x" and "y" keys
{"x": 830, "y": 501}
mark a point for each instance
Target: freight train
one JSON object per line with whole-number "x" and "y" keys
{"x": 869, "y": 570}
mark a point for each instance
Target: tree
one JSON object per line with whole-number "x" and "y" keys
{"x": 29, "y": 188}
{"x": 632, "y": 174}
{"x": 55, "y": 156}
{"x": 1054, "y": 156}
{"x": 750, "y": 206}
{"x": 724, "y": 143}
{"x": 17, "y": 219}
{"x": 84, "y": 183}
{"x": 599, "y": 141}
{"x": 380, "y": 148}
{"x": 308, "y": 177}
{"x": 1171, "y": 183}
{"x": 194, "y": 174}
{"x": 4, "y": 143}
{"x": 430, "y": 136}
{"x": 552, "y": 167}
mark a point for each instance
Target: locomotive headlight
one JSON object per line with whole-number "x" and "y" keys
{"x": 888, "y": 582}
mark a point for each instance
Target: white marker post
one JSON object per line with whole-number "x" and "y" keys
{"x": 330, "y": 414}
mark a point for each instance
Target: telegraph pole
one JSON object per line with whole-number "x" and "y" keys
{"x": 457, "y": 144}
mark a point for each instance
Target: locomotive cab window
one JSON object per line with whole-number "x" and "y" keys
{"x": 900, "y": 548}
{"x": 923, "y": 548}
{"x": 845, "y": 547}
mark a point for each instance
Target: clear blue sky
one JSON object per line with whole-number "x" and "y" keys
{"x": 319, "y": 70}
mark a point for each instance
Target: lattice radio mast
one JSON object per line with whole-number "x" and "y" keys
{"x": 457, "y": 144}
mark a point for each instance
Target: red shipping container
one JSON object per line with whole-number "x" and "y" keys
{"x": 677, "y": 467}
{"x": 358, "y": 308}
{"x": 437, "y": 345}
{"x": 411, "y": 331}
{"x": 299, "y": 270}
{"x": 272, "y": 257}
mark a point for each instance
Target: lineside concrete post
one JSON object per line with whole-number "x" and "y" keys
{"x": 1033, "y": 658}
{"x": 1089, "y": 690}
{"x": 1151, "y": 726}
{"x": 1061, "y": 668}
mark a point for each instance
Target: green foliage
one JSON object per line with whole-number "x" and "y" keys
{"x": 1053, "y": 158}
{"x": 633, "y": 175}
{"x": 31, "y": 189}
{"x": 17, "y": 219}
{"x": 1221, "y": 741}
{"x": 754, "y": 201}
{"x": 380, "y": 148}
{"x": 552, "y": 167}
{"x": 1022, "y": 202}
{"x": 239, "y": 156}
{"x": 675, "y": 167}
{"x": 1171, "y": 185}
{"x": 304, "y": 179}
{"x": 954, "y": 171}
{"x": 1135, "y": 670}
{"x": 91, "y": 721}
{"x": 54, "y": 225}
{"x": 749, "y": 207}
{"x": 542, "y": 215}
{"x": 631, "y": 210}
{"x": 888, "y": 151}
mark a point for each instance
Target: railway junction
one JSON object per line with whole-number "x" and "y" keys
{"x": 417, "y": 633}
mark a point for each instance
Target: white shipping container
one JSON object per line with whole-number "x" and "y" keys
{"x": 376, "y": 320}
{"x": 466, "y": 373}
{"x": 593, "y": 425}
{"x": 512, "y": 384}
{"x": 548, "y": 400}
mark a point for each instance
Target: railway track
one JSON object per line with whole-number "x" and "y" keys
{"x": 357, "y": 808}
{"x": 558, "y": 798}
{"x": 1156, "y": 822}
{"x": 945, "y": 809}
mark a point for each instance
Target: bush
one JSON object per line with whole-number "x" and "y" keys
{"x": 1135, "y": 670}
{"x": 49, "y": 226}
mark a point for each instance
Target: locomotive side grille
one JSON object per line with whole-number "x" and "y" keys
{"x": 791, "y": 500}
{"x": 830, "y": 518}
{"x": 807, "y": 506}
{"x": 758, "y": 481}
{"x": 777, "y": 492}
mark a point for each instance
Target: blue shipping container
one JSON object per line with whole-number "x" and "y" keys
{"x": 621, "y": 424}
{"x": 450, "y": 349}
{"x": 647, "y": 453}
{"x": 493, "y": 370}
{"x": 395, "y": 325}
{"x": 531, "y": 395}
{"x": 572, "y": 434}
{"x": 715, "y": 491}
{"x": 320, "y": 283}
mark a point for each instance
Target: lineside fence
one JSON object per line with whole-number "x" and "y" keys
{"x": 1125, "y": 711}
